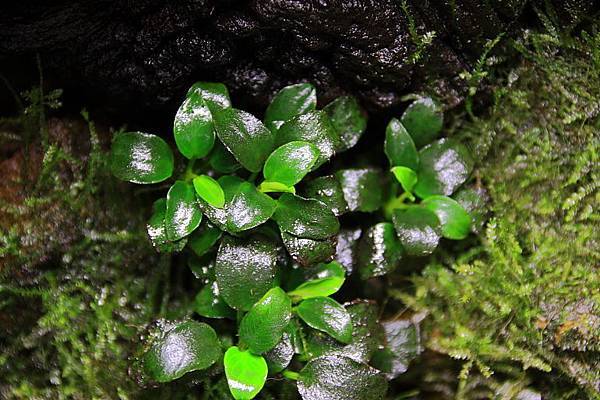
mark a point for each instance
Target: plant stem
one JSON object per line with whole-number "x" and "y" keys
{"x": 189, "y": 174}
{"x": 291, "y": 375}
{"x": 397, "y": 203}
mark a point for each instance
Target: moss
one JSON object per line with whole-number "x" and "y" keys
{"x": 529, "y": 295}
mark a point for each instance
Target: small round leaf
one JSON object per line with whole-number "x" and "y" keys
{"x": 289, "y": 102}
{"x": 399, "y": 146}
{"x": 289, "y": 163}
{"x": 249, "y": 208}
{"x": 348, "y": 119}
{"x": 309, "y": 251}
{"x": 423, "y": 120}
{"x": 455, "y": 221}
{"x": 326, "y": 315}
{"x": 328, "y": 190}
{"x": 362, "y": 188}
{"x": 320, "y": 287}
{"x": 306, "y": 218}
{"x": 141, "y": 158}
{"x": 183, "y": 214}
{"x": 379, "y": 251}
{"x": 418, "y": 230}
{"x": 406, "y": 176}
{"x": 193, "y": 128}
{"x": 246, "y": 373}
{"x": 209, "y": 190}
{"x": 210, "y": 304}
{"x": 214, "y": 94}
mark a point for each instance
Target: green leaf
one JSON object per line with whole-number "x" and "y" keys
{"x": 306, "y": 218}
{"x": 262, "y": 327}
{"x": 183, "y": 214}
{"x": 245, "y": 270}
{"x": 454, "y": 220}
{"x": 326, "y": 315}
{"x": 289, "y": 163}
{"x": 445, "y": 165}
{"x": 214, "y": 94}
{"x": 221, "y": 160}
{"x": 289, "y": 102}
{"x": 406, "y": 176}
{"x": 270, "y": 187}
{"x": 423, "y": 120}
{"x": 336, "y": 377}
{"x": 246, "y": 373}
{"x": 179, "y": 348}
{"x": 157, "y": 230}
{"x": 418, "y": 229}
{"x": 218, "y": 216}
{"x": 399, "y": 146}
{"x": 347, "y": 248}
{"x": 328, "y": 190}
{"x": 280, "y": 356}
{"x": 320, "y": 287}
{"x": 203, "y": 239}
{"x": 309, "y": 251}
{"x": 245, "y": 137}
{"x": 362, "y": 188}
{"x": 348, "y": 119}
{"x": 210, "y": 304}
{"x": 402, "y": 346}
{"x": 313, "y": 127}
{"x": 379, "y": 251}
{"x": 474, "y": 201}
{"x": 193, "y": 128}
{"x": 141, "y": 158}
{"x": 331, "y": 269}
{"x": 209, "y": 190}
{"x": 249, "y": 208}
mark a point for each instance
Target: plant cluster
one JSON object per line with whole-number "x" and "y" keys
{"x": 265, "y": 251}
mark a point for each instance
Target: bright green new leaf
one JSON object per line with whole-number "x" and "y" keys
{"x": 245, "y": 137}
{"x": 348, "y": 119}
{"x": 406, "y": 176}
{"x": 326, "y": 315}
{"x": 210, "y": 304}
{"x": 423, "y": 120}
{"x": 246, "y": 373}
{"x": 455, "y": 221}
{"x": 218, "y": 216}
{"x": 214, "y": 94}
{"x": 183, "y": 214}
{"x": 180, "y": 348}
{"x": 289, "y": 102}
{"x": 400, "y": 147}
{"x": 262, "y": 327}
{"x": 141, "y": 158}
{"x": 362, "y": 188}
{"x": 418, "y": 229}
{"x": 321, "y": 287}
{"x": 193, "y": 128}
{"x": 306, "y": 218}
{"x": 249, "y": 208}
{"x": 289, "y": 163}
{"x": 275, "y": 187}
{"x": 209, "y": 190}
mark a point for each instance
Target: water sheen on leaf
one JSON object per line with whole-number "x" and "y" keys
{"x": 210, "y": 304}
{"x": 289, "y": 163}
{"x": 141, "y": 158}
{"x": 215, "y": 94}
{"x": 399, "y": 146}
{"x": 445, "y": 165}
{"x": 474, "y": 201}
{"x": 180, "y": 348}
{"x": 336, "y": 377}
{"x": 245, "y": 270}
{"x": 280, "y": 356}
{"x": 306, "y": 218}
{"x": 245, "y": 137}
{"x": 348, "y": 119}
{"x": 402, "y": 346}
{"x": 455, "y": 221}
{"x": 289, "y": 102}
{"x": 183, "y": 214}
{"x": 362, "y": 188}
{"x": 246, "y": 373}
{"x": 209, "y": 190}
{"x": 309, "y": 251}
{"x": 379, "y": 251}
{"x": 423, "y": 120}
{"x": 328, "y": 190}
{"x": 418, "y": 229}
{"x": 157, "y": 230}
{"x": 262, "y": 327}
{"x": 326, "y": 315}
{"x": 193, "y": 128}
{"x": 249, "y": 208}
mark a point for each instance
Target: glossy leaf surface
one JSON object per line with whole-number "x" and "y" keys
{"x": 309, "y": 251}
{"x": 454, "y": 219}
{"x": 474, "y": 201}
{"x": 328, "y": 190}
{"x": 406, "y": 176}
{"x": 209, "y": 190}
{"x": 399, "y": 146}
{"x": 193, "y": 128}
{"x": 348, "y": 119}
{"x": 320, "y": 287}
{"x": 402, "y": 346}
{"x": 305, "y": 218}
{"x": 215, "y": 94}
{"x": 379, "y": 251}
{"x": 362, "y": 188}
{"x": 423, "y": 120}
{"x": 326, "y": 315}
{"x": 210, "y": 304}
{"x": 141, "y": 158}
{"x": 183, "y": 214}
{"x": 262, "y": 327}
{"x": 418, "y": 229}
{"x": 249, "y": 208}
{"x": 280, "y": 356}
{"x": 289, "y": 163}
{"x": 289, "y": 102}
{"x": 246, "y": 373}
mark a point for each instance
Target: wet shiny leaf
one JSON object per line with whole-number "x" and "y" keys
{"x": 245, "y": 270}
{"x": 400, "y": 147}
{"x": 214, "y": 94}
{"x": 306, "y": 218}
{"x": 183, "y": 214}
{"x": 454, "y": 220}
{"x": 379, "y": 251}
{"x": 346, "y": 252}
{"x": 402, "y": 346}
{"x": 289, "y": 163}
{"x": 140, "y": 158}
{"x": 336, "y": 377}
{"x": 210, "y": 304}
{"x": 362, "y": 188}
{"x": 423, "y": 120}
{"x": 181, "y": 348}
{"x": 326, "y": 315}
{"x": 319, "y": 287}
{"x": 203, "y": 239}
{"x": 157, "y": 230}
{"x": 246, "y": 373}
{"x": 328, "y": 190}
{"x": 245, "y": 137}
{"x": 407, "y": 178}
{"x": 280, "y": 356}
{"x": 332, "y": 269}
{"x": 209, "y": 190}
{"x": 221, "y": 160}
{"x": 418, "y": 229}
{"x": 289, "y": 102}
{"x": 313, "y": 127}
{"x": 275, "y": 187}
{"x": 474, "y": 201}
{"x": 309, "y": 251}
{"x": 262, "y": 327}
{"x": 445, "y": 165}
{"x": 348, "y": 119}
{"x": 193, "y": 128}
{"x": 218, "y": 216}
{"x": 249, "y": 208}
